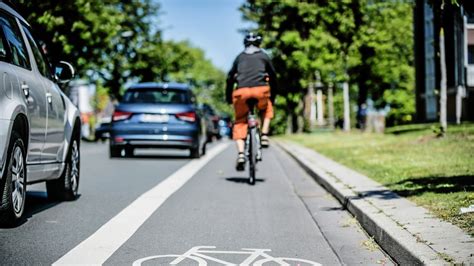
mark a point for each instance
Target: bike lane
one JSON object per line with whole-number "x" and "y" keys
{"x": 218, "y": 208}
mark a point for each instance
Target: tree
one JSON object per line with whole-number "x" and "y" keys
{"x": 371, "y": 42}
{"x": 136, "y": 38}
{"x": 100, "y": 39}
{"x": 116, "y": 41}
{"x": 191, "y": 66}
{"x": 385, "y": 71}
{"x": 76, "y": 30}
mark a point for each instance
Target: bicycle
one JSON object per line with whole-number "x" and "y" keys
{"x": 200, "y": 256}
{"x": 253, "y": 148}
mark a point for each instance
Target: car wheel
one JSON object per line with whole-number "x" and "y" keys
{"x": 129, "y": 151}
{"x": 203, "y": 152}
{"x": 195, "y": 153}
{"x": 14, "y": 187}
{"x": 209, "y": 138}
{"x": 67, "y": 185}
{"x": 114, "y": 151}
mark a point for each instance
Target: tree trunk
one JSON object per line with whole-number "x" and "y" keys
{"x": 320, "y": 105}
{"x": 443, "y": 92}
{"x": 347, "y": 121}
{"x": 330, "y": 106}
{"x": 460, "y": 93}
{"x": 309, "y": 108}
{"x": 294, "y": 122}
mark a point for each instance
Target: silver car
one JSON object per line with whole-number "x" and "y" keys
{"x": 39, "y": 126}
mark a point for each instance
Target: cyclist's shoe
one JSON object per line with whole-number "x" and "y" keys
{"x": 240, "y": 166}
{"x": 264, "y": 141}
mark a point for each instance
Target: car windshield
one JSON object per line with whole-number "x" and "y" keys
{"x": 155, "y": 96}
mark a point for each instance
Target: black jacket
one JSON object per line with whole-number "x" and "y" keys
{"x": 251, "y": 68}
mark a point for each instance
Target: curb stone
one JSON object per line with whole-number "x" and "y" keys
{"x": 407, "y": 232}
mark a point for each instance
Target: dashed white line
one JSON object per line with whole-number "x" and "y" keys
{"x": 98, "y": 247}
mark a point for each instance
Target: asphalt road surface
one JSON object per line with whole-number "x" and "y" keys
{"x": 161, "y": 207}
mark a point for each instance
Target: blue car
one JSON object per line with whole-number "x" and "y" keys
{"x": 157, "y": 115}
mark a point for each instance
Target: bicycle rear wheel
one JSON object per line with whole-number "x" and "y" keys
{"x": 252, "y": 155}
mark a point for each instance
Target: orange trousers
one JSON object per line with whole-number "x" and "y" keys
{"x": 239, "y": 100}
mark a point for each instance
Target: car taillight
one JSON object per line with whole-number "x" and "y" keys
{"x": 187, "y": 116}
{"x": 119, "y": 115}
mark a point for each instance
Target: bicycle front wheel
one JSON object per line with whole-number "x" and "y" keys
{"x": 252, "y": 155}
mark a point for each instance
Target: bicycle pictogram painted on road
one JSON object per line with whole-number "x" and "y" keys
{"x": 200, "y": 255}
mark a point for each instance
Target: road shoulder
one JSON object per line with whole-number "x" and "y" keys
{"x": 340, "y": 229}
{"x": 409, "y": 233}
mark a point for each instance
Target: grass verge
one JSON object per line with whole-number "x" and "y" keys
{"x": 437, "y": 173}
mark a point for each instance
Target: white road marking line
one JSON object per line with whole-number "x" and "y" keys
{"x": 98, "y": 247}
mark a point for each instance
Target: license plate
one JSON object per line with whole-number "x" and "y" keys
{"x": 147, "y": 118}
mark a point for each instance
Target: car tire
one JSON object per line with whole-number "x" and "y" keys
{"x": 67, "y": 185}
{"x": 129, "y": 151}
{"x": 203, "y": 151}
{"x": 195, "y": 153}
{"x": 209, "y": 138}
{"x": 11, "y": 208}
{"x": 114, "y": 152}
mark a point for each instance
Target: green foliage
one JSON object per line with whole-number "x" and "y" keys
{"x": 279, "y": 122}
{"x": 101, "y": 99}
{"x": 433, "y": 172}
{"x": 388, "y": 37}
{"x": 369, "y": 43}
{"x": 113, "y": 42}
{"x": 75, "y": 30}
{"x": 188, "y": 64}
{"x": 402, "y": 105}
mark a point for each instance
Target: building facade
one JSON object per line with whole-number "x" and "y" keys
{"x": 457, "y": 22}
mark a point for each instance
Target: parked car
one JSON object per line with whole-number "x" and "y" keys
{"x": 102, "y": 129}
{"x": 39, "y": 126}
{"x": 212, "y": 122}
{"x": 157, "y": 115}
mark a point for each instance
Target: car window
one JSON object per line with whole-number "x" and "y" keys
{"x": 3, "y": 44}
{"x": 192, "y": 98}
{"x": 40, "y": 58}
{"x": 155, "y": 96}
{"x": 19, "y": 54}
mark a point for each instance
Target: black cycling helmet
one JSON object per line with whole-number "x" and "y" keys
{"x": 252, "y": 39}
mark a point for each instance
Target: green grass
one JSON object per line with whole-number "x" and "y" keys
{"x": 437, "y": 173}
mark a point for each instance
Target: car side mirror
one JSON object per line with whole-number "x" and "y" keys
{"x": 64, "y": 72}
{"x": 3, "y": 54}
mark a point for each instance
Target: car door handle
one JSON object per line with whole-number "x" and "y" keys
{"x": 26, "y": 90}
{"x": 49, "y": 97}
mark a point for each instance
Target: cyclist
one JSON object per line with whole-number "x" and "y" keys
{"x": 254, "y": 74}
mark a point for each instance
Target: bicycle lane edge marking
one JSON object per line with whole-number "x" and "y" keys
{"x": 98, "y": 247}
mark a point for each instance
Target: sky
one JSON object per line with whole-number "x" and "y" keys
{"x": 211, "y": 25}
